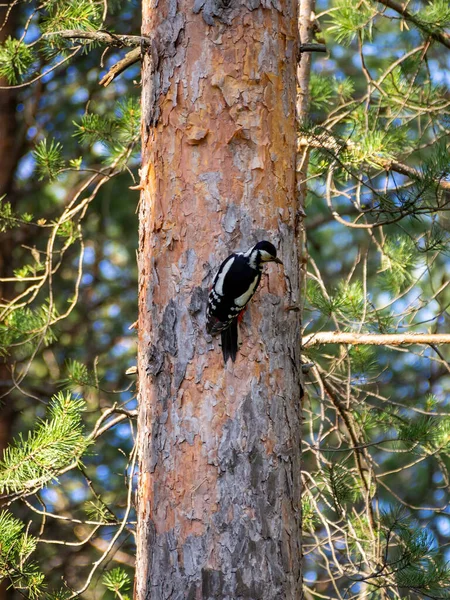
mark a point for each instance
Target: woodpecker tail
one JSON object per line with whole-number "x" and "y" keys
{"x": 230, "y": 341}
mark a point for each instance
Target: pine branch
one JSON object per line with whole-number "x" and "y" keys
{"x": 33, "y": 460}
{"x": 439, "y": 36}
{"x": 374, "y": 339}
{"x": 137, "y": 42}
{"x": 393, "y": 165}
{"x": 328, "y": 142}
{"x": 102, "y": 36}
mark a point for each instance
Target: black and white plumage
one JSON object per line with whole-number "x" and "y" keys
{"x": 233, "y": 287}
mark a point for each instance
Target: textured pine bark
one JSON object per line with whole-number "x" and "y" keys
{"x": 219, "y": 484}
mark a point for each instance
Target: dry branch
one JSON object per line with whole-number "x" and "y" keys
{"x": 137, "y": 42}
{"x": 401, "y": 9}
{"x": 129, "y": 59}
{"x": 104, "y": 37}
{"x": 375, "y": 339}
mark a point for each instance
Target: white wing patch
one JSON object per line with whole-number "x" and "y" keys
{"x": 242, "y": 300}
{"x": 252, "y": 255}
{"x": 218, "y": 286}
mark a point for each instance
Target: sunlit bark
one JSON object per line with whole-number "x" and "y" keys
{"x": 219, "y": 485}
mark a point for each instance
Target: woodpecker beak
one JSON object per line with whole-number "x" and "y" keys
{"x": 277, "y": 260}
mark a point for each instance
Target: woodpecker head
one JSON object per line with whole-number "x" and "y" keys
{"x": 262, "y": 253}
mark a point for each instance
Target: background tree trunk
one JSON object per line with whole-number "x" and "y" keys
{"x": 8, "y": 120}
{"x": 219, "y": 485}
{"x": 8, "y": 160}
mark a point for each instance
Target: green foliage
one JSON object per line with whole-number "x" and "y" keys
{"x": 16, "y": 547}
{"x": 117, "y": 581}
{"x": 347, "y": 300}
{"x": 68, "y": 231}
{"x": 121, "y": 129}
{"x": 397, "y": 82}
{"x": 378, "y": 153}
{"x": 16, "y": 59}
{"x": 310, "y": 518}
{"x": 98, "y": 511}
{"x": 95, "y": 128}
{"x": 402, "y": 82}
{"x": 351, "y": 300}
{"x": 344, "y": 88}
{"x": 119, "y": 134}
{"x": 64, "y": 14}
{"x": 62, "y": 594}
{"x": 371, "y": 146}
{"x": 435, "y": 15}
{"x": 372, "y": 421}
{"x": 321, "y": 90}
{"x": 10, "y": 219}
{"x": 128, "y": 115}
{"x": 327, "y": 91}
{"x": 29, "y": 270}
{"x": 435, "y": 166}
{"x": 363, "y": 360}
{"x": 320, "y": 300}
{"x": 422, "y": 430}
{"x": 32, "y": 461}
{"x": 361, "y": 539}
{"x": 347, "y": 21}
{"x": 49, "y": 161}
{"x": 22, "y": 325}
{"x": 431, "y": 432}
{"x": 399, "y": 258}
{"x": 78, "y": 375}
{"x": 7, "y": 218}
{"x": 76, "y": 163}
{"x": 431, "y": 403}
{"x": 343, "y": 484}
{"x": 411, "y": 558}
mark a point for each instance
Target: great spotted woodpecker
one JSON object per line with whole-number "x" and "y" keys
{"x": 234, "y": 285}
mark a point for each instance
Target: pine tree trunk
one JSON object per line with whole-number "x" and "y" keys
{"x": 219, "y": 484}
